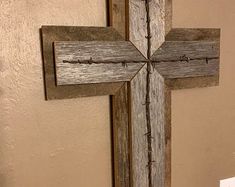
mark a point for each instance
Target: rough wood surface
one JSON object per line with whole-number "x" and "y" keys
{"x": 158, "y": 125}
{"x": 118, "y": 17}
{"x": 189, "y": 58}
{"x": 157, "y": 23}
{"x": 49, "y": 34}
{"x": 194, "y": 68}
{"x": 192, "y": 82}
{"x": 118, "y": 52}
{"x": 121, "y": 137}
{"x": 168, "y": 140}
{"x": 168, "y": 16}
{"x": 160, "y": 130}
{"x": 139, "y": 130}
{"x": 138, "y": 25}
{"x": 181, "y": 59}
{"x": 187, "y": 34}
{"x": 128, "y": 17}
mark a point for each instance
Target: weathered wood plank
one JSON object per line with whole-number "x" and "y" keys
{"x": 118, "y": 17}
{"x": 167, "y": 113}
{"x": 139, "y": 129}
{"x": 138, "y": 25}
{"x": 49, "y": 34}
{"x": 121, "y": 137}
{"x": 160, "y": 116}
{"x": 176, "y": 59}
{"x": 70, "y": 57}
{"x": 194, "y": 68}
{"x": 158, "y": 125}
{"x": 103, "y": 51}
{"x": 157, "y": 23}
{"x": 176, "y": 51}
{"x": 168, "y": 16}
{"x": 189, "y": 58}
{"x": 128, "y": 17}
{"x": 187, "y": 34}
{"x": 192, "y": 82}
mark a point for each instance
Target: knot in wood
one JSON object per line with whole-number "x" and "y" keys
{"x": 184, "y": 58}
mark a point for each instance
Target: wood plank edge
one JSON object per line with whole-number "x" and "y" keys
{"x": 192, "y": 82}
{"x": 193, "y": 34}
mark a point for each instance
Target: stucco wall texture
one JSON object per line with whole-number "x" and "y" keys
{"x": 66, "y": 143}
{"x": 47, "y": 144}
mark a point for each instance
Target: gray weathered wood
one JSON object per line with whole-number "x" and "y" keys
{"x": 121, "y": 137}
{"x": 177, "y": 51}
{"x": 157, "y": 23}
{"x": 158, "y": 125}
{"x": 184, "y": 59}
{"x": 116, "y": 53}
{"x": 160, "y": 12}
{"x": 129, "y": 19}
{"x": 139, "y": 129}
{"x": 138, "y": 25}
{"x": 193, "y": 68}
{"x": 49, "y": 34}
{"x": 189, "y": 58}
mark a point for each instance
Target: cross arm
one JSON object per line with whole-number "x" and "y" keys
{"x": 89, "y": 62}
{"x": 189, "y": 58}
{"x": 50, "y": 34}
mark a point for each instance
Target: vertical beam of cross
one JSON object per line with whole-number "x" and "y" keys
{"x": 146, "y": 23}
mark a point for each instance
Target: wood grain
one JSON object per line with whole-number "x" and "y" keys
{"x": 138, "y": 25}
{"x": 158, "y": 125}
{"x": 118, "y": 17}
{"x": 190, "y": 34}
{"x": 121, "y": 137}
{"x": 139, "y": 129}
{"x": 49, "y": 34}
{"x": 157, "y": 23}
{"x": 160, "y": 130}
{"x": 168, "y": 16}
{"x": 115, "y": 52}
{"x": 192, "y": 82}
{"x": 189, "y": 58}
{"x": 193, "y": 68}
{"x": 168, "y": 137}
{"x": 182, "y": 59}
{"x": 128, "y": 17}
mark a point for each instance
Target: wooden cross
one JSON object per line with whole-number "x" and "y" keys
{"x": 138, "y": 60}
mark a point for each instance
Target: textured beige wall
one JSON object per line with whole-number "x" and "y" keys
{"x": 63, "y": 143}
{"x": 47, "y": 144}
{"x": 204, "y": 119}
